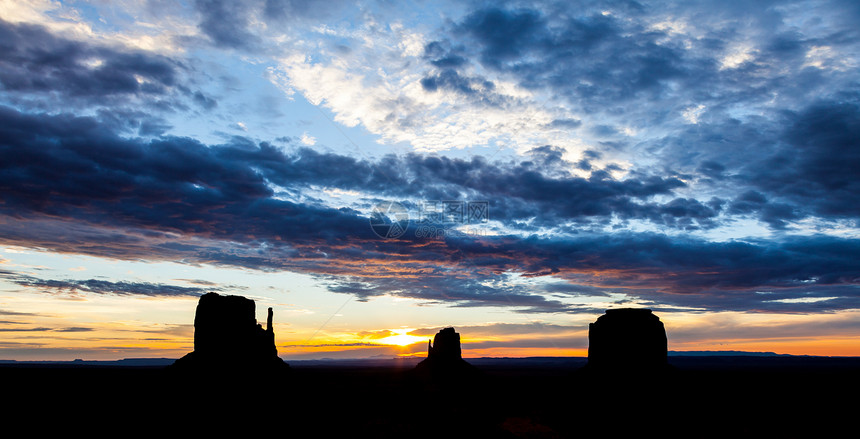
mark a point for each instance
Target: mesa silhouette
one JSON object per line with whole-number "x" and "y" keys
{"x": 228, "y": 337}
{"x": 627, "y": 339}
{"x": 444, "y": 357}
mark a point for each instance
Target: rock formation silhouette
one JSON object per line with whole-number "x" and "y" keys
{"x": 627, "y": 339}
{"x": 445, "y": 346}
{"x": 228, "y": 337}
{"x": 444, "y": 357}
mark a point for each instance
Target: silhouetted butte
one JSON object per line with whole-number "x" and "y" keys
{"x": 228, "y": 337}
{"x": 444, "y": 356}
{"x": 628, "y": 339}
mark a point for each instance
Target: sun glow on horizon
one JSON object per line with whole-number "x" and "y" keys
{"x": 401, "y": 338}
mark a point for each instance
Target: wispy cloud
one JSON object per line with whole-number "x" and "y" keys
{"x": 99, "y": 286}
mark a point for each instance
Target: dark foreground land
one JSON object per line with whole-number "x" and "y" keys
{"x": 705, "y": 397}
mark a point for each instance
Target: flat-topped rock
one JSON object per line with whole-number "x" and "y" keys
{"x": 627, "y": 338}
{"x": 227, "y": 336}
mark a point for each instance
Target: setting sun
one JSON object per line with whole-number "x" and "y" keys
{"x": 401, "y": 338}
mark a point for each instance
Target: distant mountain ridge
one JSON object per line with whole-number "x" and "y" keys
{"x": 729, "y": 353}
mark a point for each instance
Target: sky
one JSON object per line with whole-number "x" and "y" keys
{"x": 375, "y": 171}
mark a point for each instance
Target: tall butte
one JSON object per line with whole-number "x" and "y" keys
{"x": 444, "y": 356}
{"x": 228, "y": 337}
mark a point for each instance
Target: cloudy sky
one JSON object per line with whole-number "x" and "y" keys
{"x": 375, "y": 171}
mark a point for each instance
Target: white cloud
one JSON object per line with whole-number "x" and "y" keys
{"x": 26, "y": 11}
{"x": 159, "y": 34}
{"x": 737, "y": 56}
{"x": 691, "y": 114}
{"x": 279, "y": 78}
{"x": 671, "y": 26}
{"x": 804, "y": 299}
{"x": 377, "y": 85}
{"x": 826, "y": 58}
{"x": 308, "y": 140}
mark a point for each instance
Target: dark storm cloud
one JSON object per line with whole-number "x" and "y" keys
{"x": 450, "y": 79}
{"x": 229, "y": 23}
{"x": 682, "y": 264}
{"x": 801, "y": 165}
{"x": 69, "y": 184}
{"x": 802, "y": 273}
{"x": 40, "y": 69}
{"x": 598, "y": 63}
{"x": 73, "y": 167}
{"x": 63, "y": 165}
{"x": 608, "y": 54}
{"x": 586, "y": 55}
{"x": 226, "y": 23}
{"x": 34, "y": 60}
{"x": 816, "y": 169}
{"x": 540, "y": 190}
